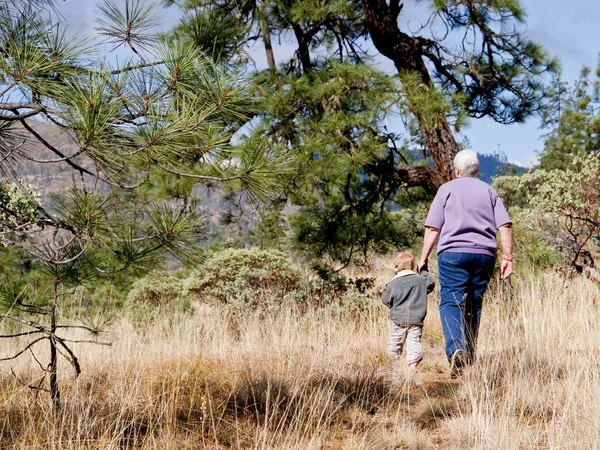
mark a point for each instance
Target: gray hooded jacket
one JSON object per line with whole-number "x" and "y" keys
{"x": 406, "y": 296}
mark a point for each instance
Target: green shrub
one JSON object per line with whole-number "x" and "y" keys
{"x": 264, "y": 280}
{"x": 155, "y": 294}
{"x": 253, "y": 278}
{"x": 534, "y": 240}
{"x": 156, "y": 288}
{"x": 569, "y": 198}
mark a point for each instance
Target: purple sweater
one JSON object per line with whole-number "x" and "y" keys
{"x": 468, "y": 212}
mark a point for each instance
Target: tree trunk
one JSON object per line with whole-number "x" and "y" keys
{"x": 266, "y": 34}
{"x": 53, "y": 366}
{"x": 404, "y": 51}
{"x": 303, "y": 50}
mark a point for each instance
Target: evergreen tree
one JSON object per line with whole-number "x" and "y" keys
{"x": 153, "y": 122}
{"x": 326, "y": 108}
{"x": 573, "y": 119}
{"x": 494, "y": 71}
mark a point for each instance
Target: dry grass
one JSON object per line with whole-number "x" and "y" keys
{"x": 316, "y": 381}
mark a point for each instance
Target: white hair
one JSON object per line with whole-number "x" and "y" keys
{"x": 467, "y": 162}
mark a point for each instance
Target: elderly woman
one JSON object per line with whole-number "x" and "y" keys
{"x": 465, "y": 214}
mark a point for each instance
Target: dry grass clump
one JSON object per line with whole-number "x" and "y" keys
{"x": 219, "y": 379}
{"x": 536, "y": 384}
{"x": 282, "y": 381}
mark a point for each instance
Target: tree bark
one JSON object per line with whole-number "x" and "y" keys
{"x": 407, "y": 176}
{"x": 404, "y": 51}
{"x": 303, "y": 50}
{"x": 266, "y": 34}
{"x": 53, "y": 366}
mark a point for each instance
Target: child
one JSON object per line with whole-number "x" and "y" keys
{"x": 406, "y": 297}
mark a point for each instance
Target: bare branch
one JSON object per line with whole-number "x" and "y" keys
{"x": 80, "y": 327}
{"x": 75, "y": 341}
{"x": 37, "y": 326}
{"x": 35, "y": 388}
{"x": 203, "y": 177}
{"x": 37, "y": 361}
{"x": 8, "y": 155}
{"x": 27, "y": 333}
{"x": 135, "y": 67}
{"x": 19, "y": 116}
{"x": 31, "y": 344}
{"x": 71, "y": 356}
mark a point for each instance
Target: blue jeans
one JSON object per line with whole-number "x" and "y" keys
{"x": 463, "y": 279}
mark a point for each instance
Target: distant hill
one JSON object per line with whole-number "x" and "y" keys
{"x": 494, "y": 165}
{"x": 51, "y": 177}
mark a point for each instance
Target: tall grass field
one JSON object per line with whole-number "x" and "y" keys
{"x": 213, "y": 377}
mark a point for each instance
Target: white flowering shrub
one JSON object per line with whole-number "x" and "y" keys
{"x": 571, "y": 198}
{"x": 17, "y": 210}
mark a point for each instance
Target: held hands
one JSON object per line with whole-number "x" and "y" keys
{"x": 422, "y": 265}
{"x": 506, "y": 268}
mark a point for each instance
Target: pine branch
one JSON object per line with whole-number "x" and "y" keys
{"x": 57, "y": 152}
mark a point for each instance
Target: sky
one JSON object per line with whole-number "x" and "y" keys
{"x": 568, "y": 31}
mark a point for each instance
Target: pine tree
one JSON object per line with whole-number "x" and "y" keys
{"x": 162, "y": 120}
{"x": 311, "y": 110}
{"x": 573, "y": 119}
{"x": 494, "y": 71}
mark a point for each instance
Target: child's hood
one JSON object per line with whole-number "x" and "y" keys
{"x": 403, "y": 273}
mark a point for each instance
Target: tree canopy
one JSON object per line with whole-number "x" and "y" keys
{"x": 329, "y": 109}
{"x": 572, "y": 120}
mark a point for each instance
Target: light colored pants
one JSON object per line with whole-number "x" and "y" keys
{"x": 409, "y": 335}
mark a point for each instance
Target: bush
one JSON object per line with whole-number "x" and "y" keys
{"x": 154, "y": 294}
{"x": 253, "y": 278}
{"x": 510, "y": 190}
{"x": 156, "y": 288}
{"x": 264, "y": 280}
{"x": 570, "y": 196}
{"x": 534, "y": 241}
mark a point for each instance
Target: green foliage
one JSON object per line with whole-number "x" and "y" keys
{"x": 18, "y": 207}
{"x": 239, "y": 276}
{"x": 573, "y": 120}
{"x": 324, "y": 111}
{"x": 116, "y": 235}
{"x": 170, "y": 111}
{"x": 248, "y": 280}
{"x": 346, "y": 236}
{"x": 330, "y": 124}
{"x": 156, "y": 288}
{"x": 214, "y": 33}
{"x": 534, "y": 239}
{"x": 430, "y": 107}
{"x": 498, "y": 70}
{"x": 17, "y": 296}
{"x": 156, "y": 295}
{"x": 134, "y": 27}
{"x": 270, "y": 227}
{"x": 510, "y": 190}
{"x": 570, "y": 196}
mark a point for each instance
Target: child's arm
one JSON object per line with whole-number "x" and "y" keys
{"x": 386, "y": 298}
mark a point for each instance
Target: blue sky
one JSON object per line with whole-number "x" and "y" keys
{"x": 567, "y": 30}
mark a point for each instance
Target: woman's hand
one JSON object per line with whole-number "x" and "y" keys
{"x": 506, "y": 268}
{"x": 507, "y": 260}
